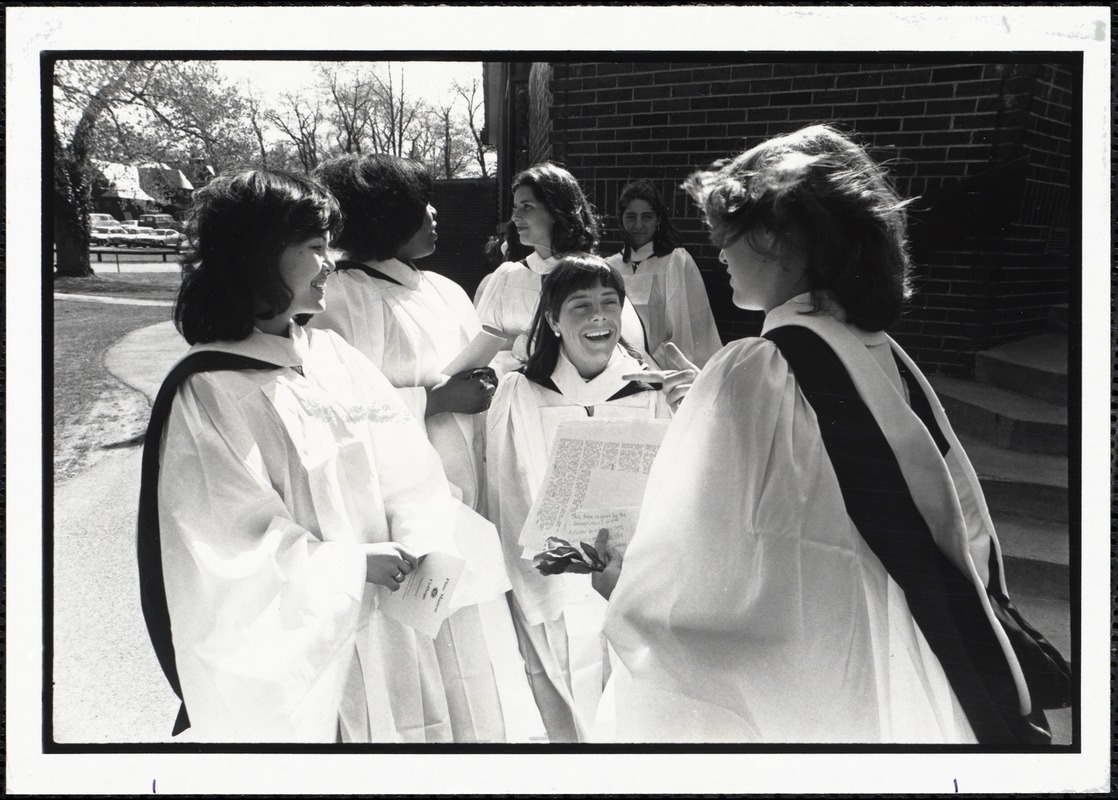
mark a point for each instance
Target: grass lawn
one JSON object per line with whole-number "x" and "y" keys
{"x": 140, "y": 285}
{"x": 87, "y": 399}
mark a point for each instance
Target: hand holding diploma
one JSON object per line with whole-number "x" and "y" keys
{"x": 676, "y": 381}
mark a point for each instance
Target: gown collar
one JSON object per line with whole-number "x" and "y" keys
{"x": 291, "y": 350}
{"x": 405, "y": 274}
{"x": 642, "y": 253}
{"x": 539, "y": 265}
{"x": 801, "y": 304}
{"x": 599, "y": 389}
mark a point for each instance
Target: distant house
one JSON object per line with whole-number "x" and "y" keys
{"x": 990, "y": 147}
{"x": 117, "y": 190}
{"x": 127, "y": 190}
{"x": 168, "y": 185}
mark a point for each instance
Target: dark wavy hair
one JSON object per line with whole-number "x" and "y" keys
{"x": 571, "y": 274}
{"x": 817, "y": 191}
{"x": 576, "y": 228}
{"x": 666, "y": 238}
{"x": 238, "y": 227}
{"x": 384, "y": 199}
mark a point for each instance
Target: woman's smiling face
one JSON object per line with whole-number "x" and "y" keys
{"x": 303, "y": 266}
{"x": 589, "y": 326}
{"x": 639, "y": 222}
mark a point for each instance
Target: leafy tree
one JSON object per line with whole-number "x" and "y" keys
{"x": 135, "y": 112}
{"x": 73, "y": 173}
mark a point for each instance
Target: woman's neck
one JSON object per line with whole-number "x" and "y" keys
{"x": 543, "y": 251}
{"x": 276, "y": 326}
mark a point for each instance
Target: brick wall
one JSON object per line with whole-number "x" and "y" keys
{"x": 941, "y": 127}
{"x": 467, "y": 217}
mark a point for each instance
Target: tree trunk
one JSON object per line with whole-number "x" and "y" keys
{"x": 71, "y": 217}
{"x": 71, "y": 197}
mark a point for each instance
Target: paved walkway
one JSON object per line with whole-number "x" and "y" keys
{"x": 102, "y": 298}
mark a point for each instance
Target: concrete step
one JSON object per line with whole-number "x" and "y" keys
{"x": 1029, "y": 485}
{"x": 1058, "y": 318}
{"x": 1035, "y": 553}
{"x": 1036, "y": 367}
{"x": 1052, "y": 618}
{"x": 1006, "y": 419}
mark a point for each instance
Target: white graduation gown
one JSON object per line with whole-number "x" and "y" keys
{"x": 559, "y": 618}
{"x": 749, "y": 608}
{"x": 508, "y": 304}
{"x": 671, "y": 299}
{"x": 410, "y": 331}
{"x": 270, "y": 483}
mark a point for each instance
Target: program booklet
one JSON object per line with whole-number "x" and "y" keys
{"x": 423, "y": 599}
{"x": 595, "y": 479}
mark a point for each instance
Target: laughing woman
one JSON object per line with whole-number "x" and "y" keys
{"x": 411, "y": 323}
{"x": 578, "y": 366}
{"x": 661, "y": 278}
{"x": 550, "y": 215}
{"x": 286, "y": 490}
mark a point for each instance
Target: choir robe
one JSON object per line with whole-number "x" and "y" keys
{"x": 508, "y": 304}
{"x": 669, "y": 295}
{"x": 411, "y": 324}
{"x": 559, "y": 618}
{"x": 749, "y": 607}
{"x": 271, "y": 482}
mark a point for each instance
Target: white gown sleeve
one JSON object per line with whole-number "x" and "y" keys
{"x": 263, "y": 610}
{"x": 490, "y": 306}
{"x": 422, "y": 512}
{"x": 689, "y": 319}
{"x": 516, "y": 460}
{"x": 356, "y": 312}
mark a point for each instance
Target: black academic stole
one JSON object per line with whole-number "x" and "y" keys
{"x": 944, "y": 602}
{"x": 153, "y": 594}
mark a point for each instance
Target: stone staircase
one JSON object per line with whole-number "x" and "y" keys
{"x": 1013, "y": 422}
{"x": 1012, "y": 419}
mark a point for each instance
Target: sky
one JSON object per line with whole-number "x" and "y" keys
{"x": 430, "y": 80}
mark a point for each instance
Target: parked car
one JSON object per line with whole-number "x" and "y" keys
{"x": 165, "y": 237}
{"x": 157, "y": 220}
{"x": 144, "y": 237}
{"x": 100, "y": 235}
{"x": 102, "y": 220}
{"x": 125, "y": 236}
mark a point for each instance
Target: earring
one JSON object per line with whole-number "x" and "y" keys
{"x": 557, "y": 334}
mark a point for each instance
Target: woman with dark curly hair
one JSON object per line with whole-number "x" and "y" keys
{"x": 286, "y": 492}
{"x": 662, "y": 280}
{"x": 412, "y": 323}
{"x": 551, "y": 217}
{"x": 814, "y": 560}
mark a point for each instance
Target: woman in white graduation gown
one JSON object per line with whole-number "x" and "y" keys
{"x": 578, "y": 367}
{"x": 550, "y": 217}
{"x": 287, "y": 492}
{"x": 766, "y": 597}
{"x": 662, "y": 280}
{"x": 411, "y": 324}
